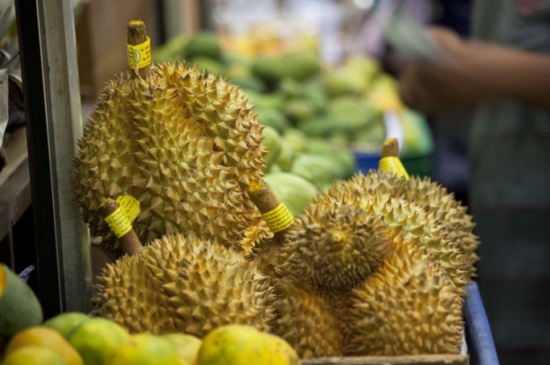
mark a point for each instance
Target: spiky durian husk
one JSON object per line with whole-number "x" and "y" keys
{"x": 333, "y": 247}
{"x": 434, "y": 199}
{"x": 305, "y": 319}
{"x": 407, "y": 307}
{"x": 181, "y": 284}
{"x": 180, "y": 142}
{"x": 406, "y": 218}
{"x": 254, "y": 235}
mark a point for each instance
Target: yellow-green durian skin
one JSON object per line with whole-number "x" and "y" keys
{"x": 332, "y": 247}
{"x": 407, "y": 307}
{"x": 405, "y": 218}
{"x": 434, "y": 199}
{"x": 305, "y": 319}
{"x": 184, "y": 284}
{"x": 182, "y": 143}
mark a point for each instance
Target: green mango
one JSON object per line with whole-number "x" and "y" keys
{"x": 19, "y": 306}
{"x": 322, "y": 126}
{"x": 273, "y": 118}
{"x": 272, "y": 141}
{"x": 207, "y": 64}
{"x": 296, "y": 139}
{"x": 319, "y": 170}
{"x": 374, "y": 134}
{"x": 203, "y": 44}
{"x": 293, "y": 190}
{"x": 298, "y": 110}
{"x": 337, "y": 84}
{"x": 418, "y": 139}
{"x": 286, "y": 157}
{"x": 351, "y": 113}
{"x": 248, "y": 83}
{"x": 342, "y": 158}
{"x": 296, "y": 65}
{"x": 172, "y": 50}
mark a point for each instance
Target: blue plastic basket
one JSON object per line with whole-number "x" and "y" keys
{"x": 481, "y": 346}
{"x": 420, "y": 165}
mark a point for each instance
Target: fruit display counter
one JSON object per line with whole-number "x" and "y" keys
{"x": 223, "y": 256}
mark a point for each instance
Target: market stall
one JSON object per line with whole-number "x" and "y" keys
{"x": 249, "y": 209}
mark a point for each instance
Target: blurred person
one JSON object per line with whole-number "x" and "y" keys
{"x": 503, "y": 74}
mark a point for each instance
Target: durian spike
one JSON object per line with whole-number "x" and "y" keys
{"x": 129, "y": 242}
{"x": 390, "y": 148}
{"x": 137, "y": 35}
{"x": 278, "y": 217}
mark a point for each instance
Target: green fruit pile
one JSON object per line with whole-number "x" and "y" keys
{"x": 344, "y": 104}
{"x": 77, "y": 339}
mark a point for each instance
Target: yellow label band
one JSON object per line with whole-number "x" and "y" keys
{"x": 139, "y": 56}
{"x": 279, "y": 218}
{"x": 394, "y": 165}
{"x": 129, "y": 205}
{"x": 118, "y": 222}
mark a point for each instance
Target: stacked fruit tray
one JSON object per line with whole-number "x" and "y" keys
{"x": 171, "y": 178}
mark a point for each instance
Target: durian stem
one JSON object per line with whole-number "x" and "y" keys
{"x": 390, "y": 148}
{"x": 130, "y": 242}
{"x": 264, "y": 198}
{"x": 137, "y": 34}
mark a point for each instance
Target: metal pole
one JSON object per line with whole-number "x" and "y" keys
{"x": 54, "y": 117}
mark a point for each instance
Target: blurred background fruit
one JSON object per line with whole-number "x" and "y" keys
{"x": 43, "y": 337}
{"x": 96, "y": 339}
{"x": 345, "y": 105}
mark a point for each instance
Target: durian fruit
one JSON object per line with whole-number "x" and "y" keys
{"x": 407, "y": 307}
{"x": 333, "y": 246}
{"x": 182, "y": 143}
{"x": 257, "y": 232}
{"x": 406, "y": 218}
{"x": 305, "y": 319}
{"x": 184, "y": 284}
{"x": 434, "y": 199}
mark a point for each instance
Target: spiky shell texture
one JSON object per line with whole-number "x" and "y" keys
{"x": 332, "y": 247}
{"x": 305, "y": 319}
{"x": 407, "y": 307}
{"x": 405, "y": 218}
{"x": 183, "y": 284}
{"x": 181, "y": 142}
{"x": 434, "y": 199}
{"x": 345, "y": 273}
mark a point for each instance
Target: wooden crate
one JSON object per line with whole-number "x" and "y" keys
{"x": 391, "y": 360}
{"x": 478, "y": 339}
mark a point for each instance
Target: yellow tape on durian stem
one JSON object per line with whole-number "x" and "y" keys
{"x": 394, "y": 165}
{"x": 120, "y": 221}
{"x": 129, "y": 205}
{"x": 279, "y": 218}
{"x": 139, "y": 56}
